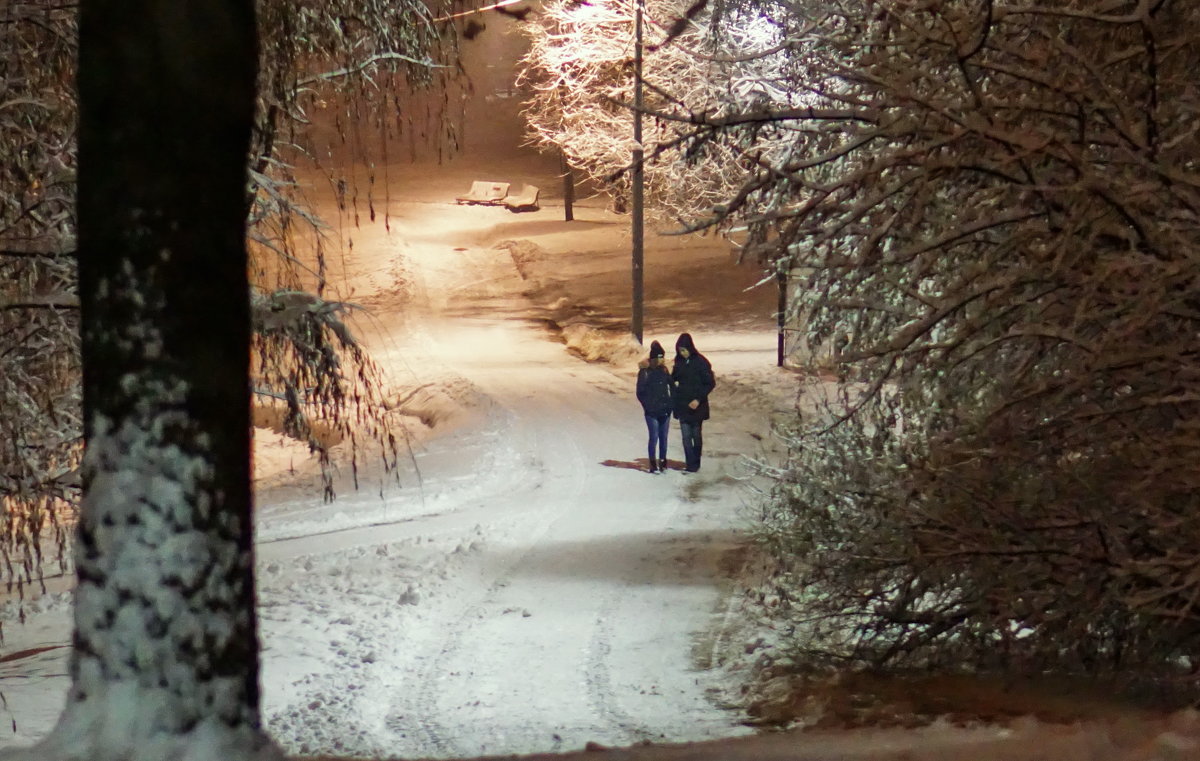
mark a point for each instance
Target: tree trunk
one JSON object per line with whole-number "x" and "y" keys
{"x": 568, "y": 176}
{"x": 165, "y": 648}
{"x": 781, "y": 284}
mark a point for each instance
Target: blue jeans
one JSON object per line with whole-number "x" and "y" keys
{"x": 658, "y": 426}
{"x": 693, "y": 443}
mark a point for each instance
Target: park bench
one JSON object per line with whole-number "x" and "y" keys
{"x": 526, "y": 200}
{"x": 484, "y": 192}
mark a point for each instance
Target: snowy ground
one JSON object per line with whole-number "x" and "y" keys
{"x": 526, "y": 587}
{"x": 533, "y": 589}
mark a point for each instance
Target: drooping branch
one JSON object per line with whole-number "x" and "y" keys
{"x": 367, "y": 63}
{"x": 43, "y": 301}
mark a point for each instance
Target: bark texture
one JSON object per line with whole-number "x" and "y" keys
{"x": 166, "y": 652}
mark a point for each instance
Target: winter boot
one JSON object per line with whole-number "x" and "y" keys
{"x": 653, "y": 466}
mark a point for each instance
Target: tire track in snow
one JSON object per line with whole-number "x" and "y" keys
{"x": 504, "y": 471}
{"x": 429, "y": 712}
{"x": 601, "y": 693}
{"x": 623, "y": 686}
{"x": 419, "y": 715}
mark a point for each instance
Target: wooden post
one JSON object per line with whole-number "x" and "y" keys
{"x": 781, "y": 279}
{"x": 568, "y": 176}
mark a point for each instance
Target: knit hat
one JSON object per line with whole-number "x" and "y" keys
{"x": 656, "y": 350}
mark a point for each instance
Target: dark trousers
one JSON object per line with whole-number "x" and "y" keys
{"x": 658, "y": 426}
{"x": 693, "y": 443}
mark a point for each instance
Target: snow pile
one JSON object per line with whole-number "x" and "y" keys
{"x": 602, "y": 346}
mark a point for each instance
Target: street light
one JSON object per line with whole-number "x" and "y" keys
{"x": 638, "y": 179}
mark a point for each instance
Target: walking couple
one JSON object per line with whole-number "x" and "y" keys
{"x": 682, "y": 390}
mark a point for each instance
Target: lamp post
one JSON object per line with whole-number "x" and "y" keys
{"x": 638, "y": 180}
{"x": 568, "y": 177}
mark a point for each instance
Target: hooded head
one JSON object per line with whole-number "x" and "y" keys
{"x": 685, "y": 342}
{"x": 657, "y": 351}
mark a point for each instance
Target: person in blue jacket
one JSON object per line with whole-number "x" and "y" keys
{"x": 654, "y": 392}
{"x": 693, "y": 379}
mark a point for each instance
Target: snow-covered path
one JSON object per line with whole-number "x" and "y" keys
{"x": 525, "y": 587}
{"x": 529, "y": 591}
{"x": 532, "y": 597}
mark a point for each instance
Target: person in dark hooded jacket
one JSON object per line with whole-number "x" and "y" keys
{"x": 654, "y": 392}
{"x": 693, "y": 379}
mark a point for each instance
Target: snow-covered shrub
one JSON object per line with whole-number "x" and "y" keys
{"x": 996, "y": 212}
{"x": 901, "y": 538}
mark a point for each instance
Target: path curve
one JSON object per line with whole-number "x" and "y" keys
{"x": 547, "y": 627}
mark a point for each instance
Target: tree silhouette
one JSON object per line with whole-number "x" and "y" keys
{"x": 165, "y": 654}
